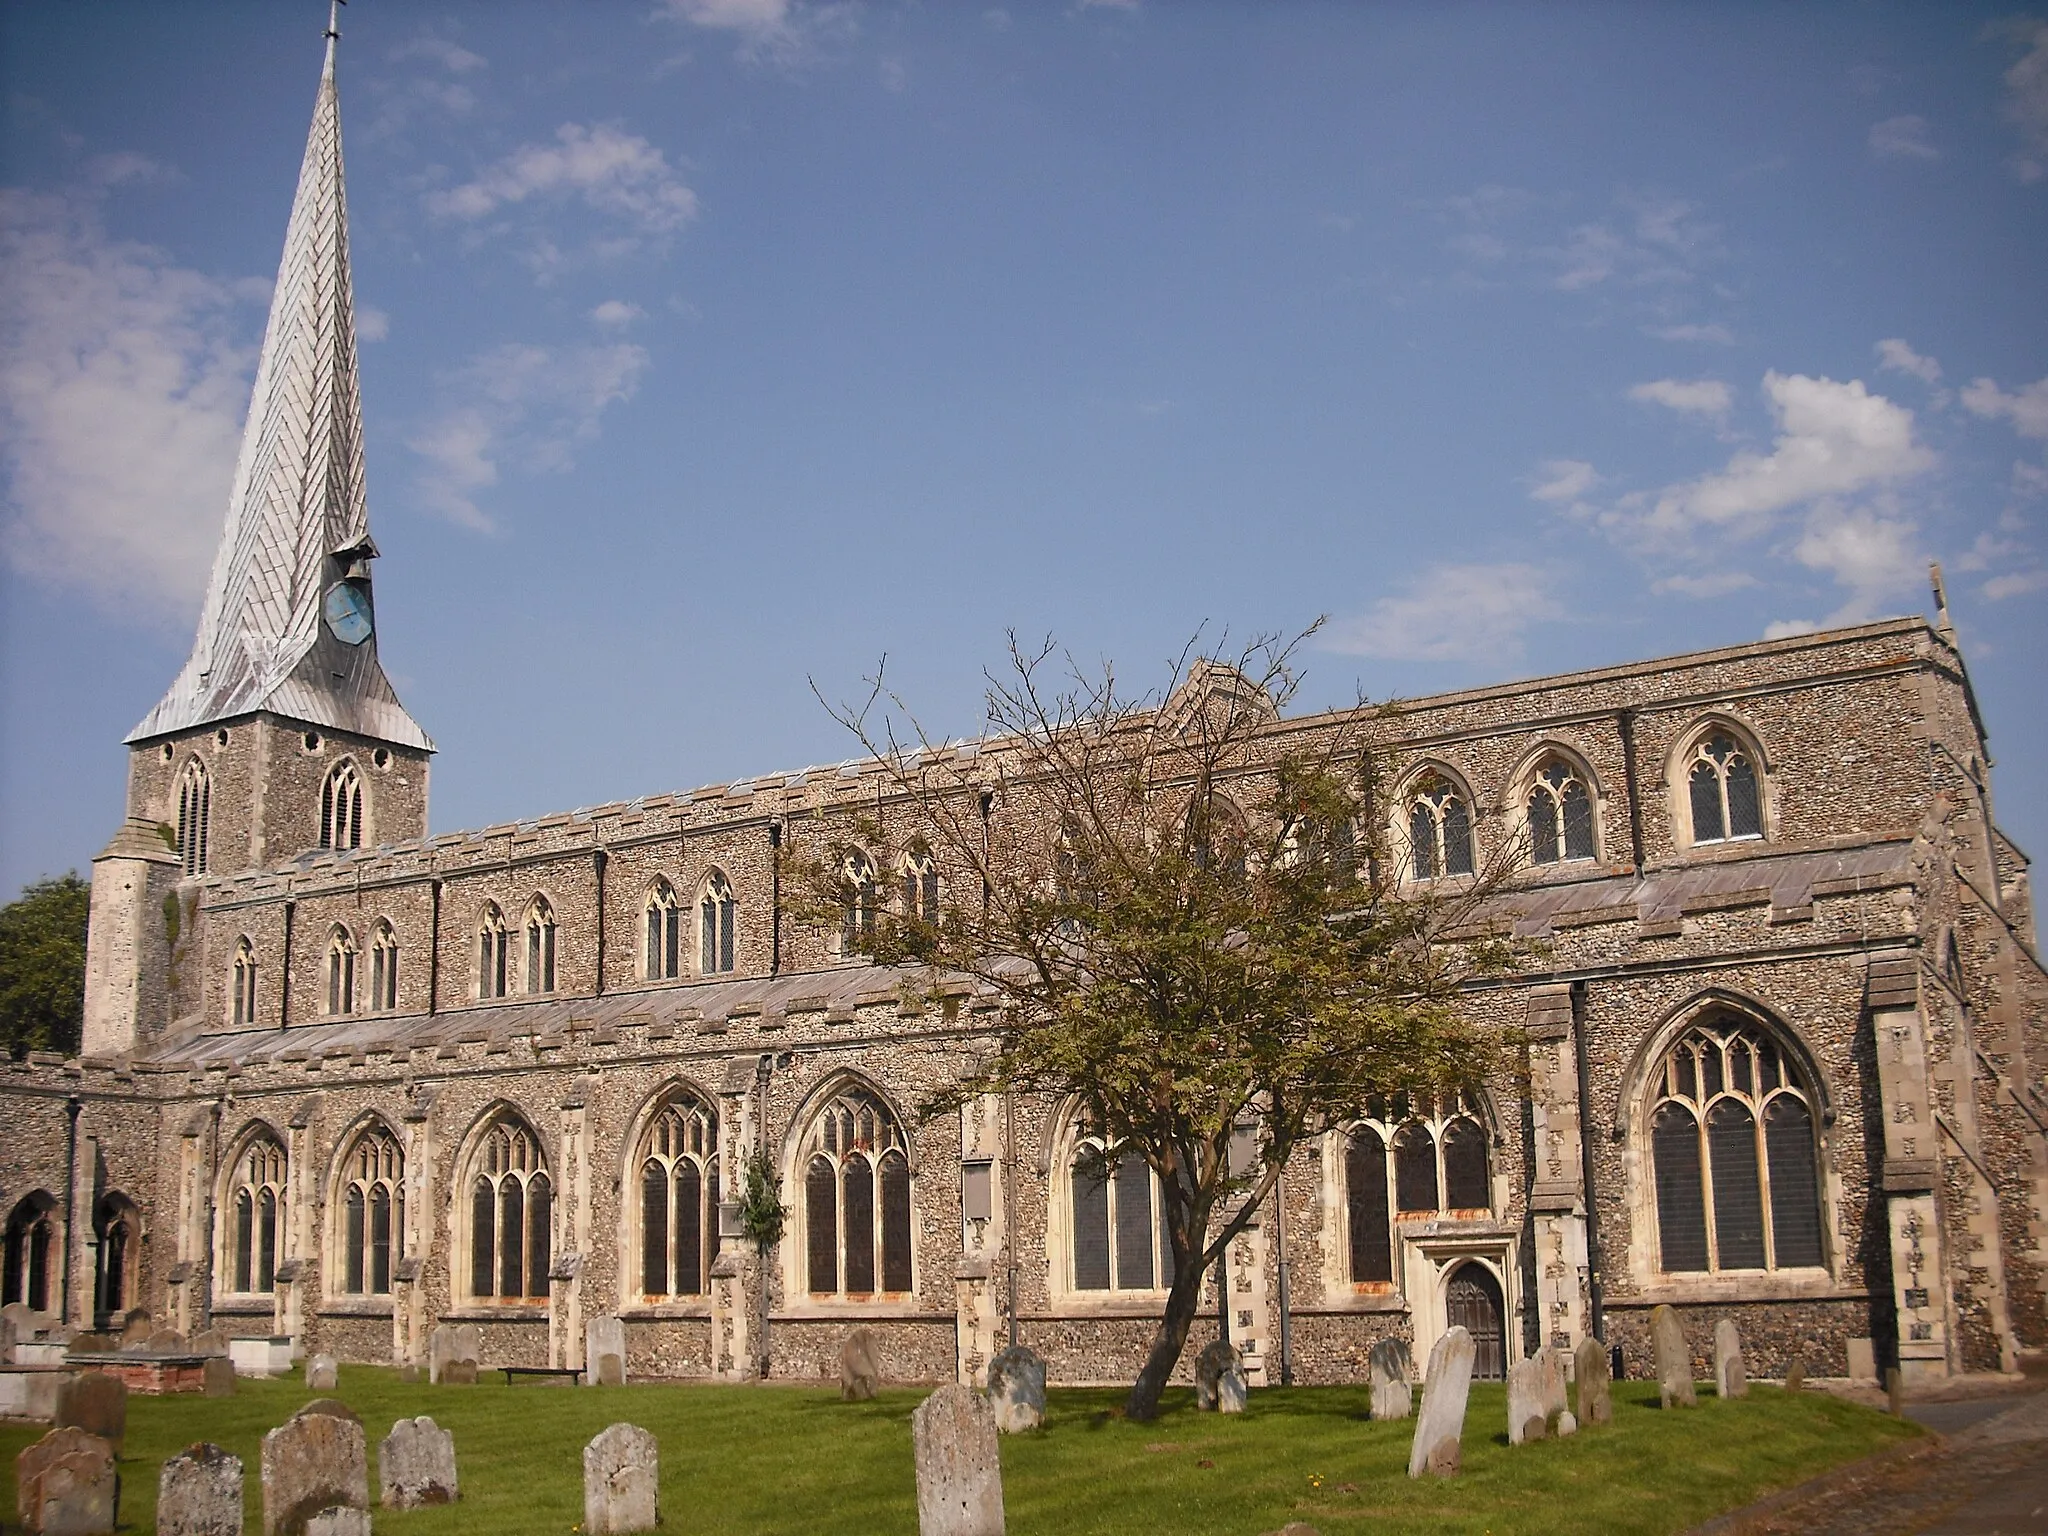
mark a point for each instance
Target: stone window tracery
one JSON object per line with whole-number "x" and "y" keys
{"x": 1408, "y": 1160}
{"x": 254, "y": 1208}
{"x": 341, "y": 808}
{"x": 920, "y": 885}
{"x": 664, "y": 933}
{"x": 195, "y": 810}
{"x": 493, "y": 953}
{"x": 857, "y": 902}
{"x": 540, "y": 947}
{"x": 31, "y": 1247}
{"x": 341, "y": 973}
{"x": 679, "y": 1197}
{"x": 383, "y": 969}
{"x": 118, "y": 1225}
{"x": 373, "y": 1212}
{"x": 1118, "y": 1239}
{"x": 242, "y": 985}
{"x": 1560, "y": 814}
{"x": 856, "y": 1200}
{"x": 717, "y": 915}
{"x": 1722, "y": 786}
{"x": 511, "y": 1216}
{"x": 1439, "y": 829}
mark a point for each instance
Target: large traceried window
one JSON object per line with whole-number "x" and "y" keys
{"x": 857, "y": 901}
{"x": 540, "y": 947}
{"x": 679, "y": 1199}
{"x": 717, "y": 916}
{"x": 1560, "y": 814}
{"x": 117, "y": 1261}
{"x": 1439, "y": 829}
{"x": 919, "y": 875}
{"x": 1411, "y": 1160}
{"x": 1736, "y": 1159}
{"x": 31, "y": 1253}
{"x": 195, "y": 813}
{"x": 255, "y": 1214}
{"x": 1119, "y": 1237}
{"x": 383, "y": 969}
{"x": 242, "y": 985}
{"x": 341, "y": 808}
{"x": 372, "y": 1212}
{"x": 664, "y": 933}
{"x": 341, "y": 973}
{"x": 511, "y": 1216}
{"x": 856, "y": 1200}
{"x": 493, "y": 953}
{"x": 1722, "y": 786}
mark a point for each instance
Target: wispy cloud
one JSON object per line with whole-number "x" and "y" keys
{"x": 783, "y": 32}
{"x": 2026, "y": 95}
{"x": 1452, "y": 613}
{"x": 2026, "y": 408}
{"x": 1707, "y": 585}
{"x": 442, "y": 80}
{"x": 607, "y": 170}
{"x": 1562, "y": 480}
{"x": 616, "y": 314}
{"x": 1712, "y": 335}
{"x": 1689, "y": 397}
{"x": 1895, "y": 355}
{"x": 1903, "y": 138}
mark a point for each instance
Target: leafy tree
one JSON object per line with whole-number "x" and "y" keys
{"x": 762, "y": 1214}
{"x": 1191, "y": 919}
{"x": 42, "y": 966}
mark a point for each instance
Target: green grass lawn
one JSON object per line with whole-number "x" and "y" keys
{"x": 748, "y": 1459}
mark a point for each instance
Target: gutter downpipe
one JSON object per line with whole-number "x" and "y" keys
{"x": 1595, "y": 1289}
{"x": 774, "y": 898}
{"x": 601, "y": 860}
{"x": 71, "y": 1109}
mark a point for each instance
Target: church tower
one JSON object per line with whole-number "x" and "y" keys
{"x": 282, "y": 733}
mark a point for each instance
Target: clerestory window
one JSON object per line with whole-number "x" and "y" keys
{"x": 664, "y": 933}
{"x": 1439, "y": 830}
{"x": 1726, "y": 806}
{"x": 493, "y": 953}
{"x": 1560, "y": 814}
{"x": 341, "y": 973}
{"x": 540, "y": 947}
{"x": 717, "y": 916}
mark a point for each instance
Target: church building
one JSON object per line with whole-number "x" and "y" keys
{"x": 342, "y": 1081}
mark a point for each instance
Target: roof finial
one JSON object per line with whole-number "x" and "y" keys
{"x": 333, "y": 19}
{"x": 1941, "y": 618}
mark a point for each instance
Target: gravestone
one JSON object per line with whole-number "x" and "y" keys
{"x": 136, "y": 1329}
{"x": 1442, "y": 1420}
{"x": 1526, "y": 1419}
{"x": 210, "y": 1342}
{"x": 322, "y": 1373}
{"x": 1210, "y": 1366}
{"x": 166, "y": 1341}
{"x": 1795, "y": 1379}
{"x": 1862, "y": 1359}
{"x": 621, "y": 1481}
{"x": 315, "y": 1463}
{"x": 66, "y": 1485}
{"x": 860, "y": 1367}
{"x": 959, "y": 1471}
{"x": 1729, "y": 1378}
{"x": 1016, "y": 1389}
{"x": 604, "y": 1352}
{"x": 1392, "y": 1369}
{"x": 93, "y": 1344}
{"x": 416, "y": 1465}
{"x": 1554, "y": 1379}
{"x": 454, "y": 1344}
{"x": 7, "y": 1337}
{"x": 1232, "y": 1389}
{"x": 24, "y": 1320}
{"x": 217, "y": 1376}
{"x": 1674, "y": 1359}
{"x": 96, "y": 1403}
{"x": 459, "y": 1373}
{"x": 1567, "y": 1424}
{"x": 1595, "y": 1387}
{"x": 199, "y": 1493}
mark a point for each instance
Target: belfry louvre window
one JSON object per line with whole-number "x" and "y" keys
{"x": 1409, "y": 1160}
{"x": 920, "y": 887}
{"x": 492, "y": 953}
{"x": 857, "y": 901}
{"x": 1722, "y": 783}
{"x": 1439, "y": 830}
{"x": 383, "y": 969}
{"x": 255, "y": 1207}
{"x": 1560, "y": 815}
{"x": 664, "y": 933}
{"x": 1732, "y": 1141}
{"x": 540, "y": 946}
{"x": 679, "y": 1200}
{"x": 717, "y": 913}
{"x": 195, "y": 807}
{"x": 373, "y": 1213}
{"x": 856, "y": 1200}
{"x": 341, "y": 808}
{"x": 511, "y": 1217}
{"x": 31, "y": 1250}
{"x": 1120, "y": 1241}
{"x": 341, "y": 973}
{"x": 242, "y": 985}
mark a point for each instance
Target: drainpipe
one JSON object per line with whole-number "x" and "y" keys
{"x": 1626, "y": 720}
{"x": 71, "y": 1108}
{"x": 600, "y": 858}
{"x": 284, "y": 1002}
{"x": 774, "y": 898}
{"x": 1280, "y": 1250}
{"x": 1595, "y": 1290}
{"x": 1010, "y": 1202}
{"x": 434, "y": 950}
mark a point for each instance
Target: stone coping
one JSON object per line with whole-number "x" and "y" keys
{"x": 140, "y": 1357}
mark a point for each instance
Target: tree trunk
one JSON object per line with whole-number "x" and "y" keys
{"x": 761, "y": 1277}
{"x": 1167, "y": 1344}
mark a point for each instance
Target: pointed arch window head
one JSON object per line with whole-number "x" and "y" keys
{"x": 856, "y": 1203}
{"x": 1411, "y": 1159}
{"x": 664, "y": 933}
{"x": 1439, "y": 829}
{"x": 1721, "y": 782}
{"x": 341, "y": 973}
{"x": 717, "y": 917}
{"x": 857, "y": 902}
{"x": 511, "y": 1217}
{"x": 920, "y": 885}
{"x": 493, "y": 953}
{"x": 195, "y": 808}
{"x": 679, "y": 1195}
{"x": 1119, "y": 1236}
{"x": 242, "y": 985}
{"x": 1736, "y": 1162}
{"x": 383, "y": 969}
{"x": 540, "y": 947}
{"x": 341, "y": 808}
{"x": 254, "y": 1211}
{"x": 372, "y": 1199}
{"x": 117, "y": 1260}
{"x": 1560, "y": 814}
{"x": 31, "y": 1253}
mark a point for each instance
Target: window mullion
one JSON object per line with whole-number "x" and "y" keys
{"x": 1707, "y": 1193}
{"x": 1763, "y": 1178}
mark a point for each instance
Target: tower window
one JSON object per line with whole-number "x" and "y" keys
{"x": 540, "y": 947}
{"x": 242, "y": 985}
{"x": 1722, "y": 783}
{"x": 383, "y": 970}
{"x": 195, "y": 804}
{"x": 664, "y": 916}
{"x": 716, "y": 914}
{"x": 341, "y": 808}
{"x": 341, "y": 973}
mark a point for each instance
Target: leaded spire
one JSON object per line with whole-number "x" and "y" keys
{"x": 296, "y": 524}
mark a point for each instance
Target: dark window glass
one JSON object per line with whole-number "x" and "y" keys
{"x": 1795, "y": 1192}
{"x": 1738, "y": 1194}
{"x": 1134, "y": 1224}
{"x": 539, "y": 1235}
{"x": 1578, "y": 821}
{"x": 482, "y": 1234}
{"x": 1681, "y": 1203}
{"x": 357, "y": 1217}
{"x": 511, "y": 1239}
{"x": 1422, "y": 839}
{"x": 1457, "y": 838}
{"x": 1365, "y": 1188}
{"x": 821, "y": 1226}
{"x": 1705, "y": 784}
{"x": 689, "y": 1230}
{"x": 1466, "y": 1186}
{"x": 266, "y": 1241}
{"x": 245, "y": 1240}
{"x": 653, "y": 1229}
{"x": 895, "y": 1223}
{"x": 1414, "y": 1169}
{"x": 1745, "y": 809}
{"x": 380, "y": 1241}
{"x": 858, "y": 1180}
{"x": 1543, "y": 827}
{"x": 1091, "y": 1226}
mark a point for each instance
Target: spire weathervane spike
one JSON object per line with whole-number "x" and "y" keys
{"x": 333, "y": 23}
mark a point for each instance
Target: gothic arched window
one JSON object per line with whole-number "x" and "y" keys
{"x": 540, "y": 947}
{"x": 920, "y": 876}
{"x": 341, "y": 973}
{"x": 373, "y": 1212}
{"x": 1733, "y": 1145}
{"x": 1408, "y": 1160}
{"x": 1439, "y": 829}
{"x": 255, "y": 1210}
{"x": 341, "y": 808}
{"x": 1722, "y": 784}
{"x": 195, "y": 806}
{"x": 242, "y": 985}
{"x": 383, "y": 969}
{"x": 118, "y": 1226}
{"x": 511, "y": 1216}
{"x": 717, "y": 913}
{"x": 1120, "y": 1241}
{"x": 679, "y": 1199}
{"x": 31, "y": 1251}
{"x": 856, "y": 1200}
{"x": 1365, "y": 1184}
{"x": 1560, "y": 814}
{"x": 663, "y": 950}
{"x": 857, "y": 901}
{"x": 493, "y": 953}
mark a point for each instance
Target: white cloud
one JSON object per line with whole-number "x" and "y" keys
{"x": 1784, "y": 629}
{"x": 1452, "y": 613}
{"x": 1714, "y": 335}
{"x": 617, "y": 313}
{"x": 1902, "y": 138}
{"x": 1559, "y": 480}
{"x": 443, "y": 85}
{"x": 2015, "y": 584}
{"x": 607, "y": 170}
{"x": 782, "y": 30}
{"x": 2027, "y": 409}
{"x": 123, "y": 383}
{"x": 1871, "y": 556}
{"x": 1896, "y": 355}
{"x": 518, "y": 406}
{"x": 1696, "y": 397}
{"x": 2026, "y": 97}
{"x": 1110, "y": 5}
{"x": 372, "y": 324}
{"x": 1710, "y": 584}
{"x": 451, "y": 56}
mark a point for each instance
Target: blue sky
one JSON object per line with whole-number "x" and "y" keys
{"x": 716, "y": 346}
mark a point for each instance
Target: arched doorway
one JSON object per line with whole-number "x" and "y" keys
{"x": 1473, "y": 1302}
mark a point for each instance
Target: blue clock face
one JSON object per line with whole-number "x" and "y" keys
{"x": 347, "y": 610}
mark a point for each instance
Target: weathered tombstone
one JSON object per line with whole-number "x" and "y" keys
{"x": 1392, "y": 1369}
{"x": 1526, "y": 1419}
{"x": 322, "y": 1373}
{"x": 93, "y": 1344}
{"x": 199, "y": 1493}
{"x": 1554, "y": 1379}
{"x": 1729, "y": 1378}
{"x": 1595, "y": 1387}
{"x": 7, "y": 1336}
{"x": 1232, "y": 1390}
{"x": 1210, "y": 1366}
{"x": 1442, "y": 1420}
{"x": 1674, "y": 1359}
{"x": 136, "y": 1328}
{"x": 459, "y": 1373}
{"x": 860, "y": 1367}
{"x": 96, "y": 1403}
{"x": 166, "y": 1341}
{"x": 66, "y": 1485}
{"x": 24, "y": 1320}
{"x": 416, "y": 1465}
{"x": 1863, "y": 1360}
{"x": 1016, "y": 1389}
{"x": 1567, "y": 1424}
{"x": 315, "y": 1463}
{"x": 959, "y": 1471}
{"x": 210, "y": 1342}
{"x": 621, "y": 1481}
{"x": 440, "y": 1349}
{"x": 1795, "y": 1379}
{"x": 604, "y": 1352}
{"x": 217, "y": 1376}
{"x": 452, "y": 1346}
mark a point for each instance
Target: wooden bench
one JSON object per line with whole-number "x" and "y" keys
{"x": 512, "y": 1371}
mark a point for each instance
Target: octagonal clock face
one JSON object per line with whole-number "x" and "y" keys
{"x": 347, "y": 611}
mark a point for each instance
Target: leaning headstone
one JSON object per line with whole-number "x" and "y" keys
{"x": 314, "y": 1464}
{"x": 1795, "y": 1378}
{"x": 604, "y": 1352}
{"x": 136, "y": 1329}
{"x": 1526, "y": 1419}
{"x": 416, "y": 1465}
{"x": 1232, "y": 1389}
{"x": 1392, "y": 1369}
{"x": 217, "y": 1376}
{"x": 1016, "y": 1389}
{"x": 1729, "y": 1378}
{"x": 1442, "y": 1420}
{"x": 1210, "y": 1366}
{"x": 96, "y": 1403}
{"x": 1595, "y": 1387}
{"x": 621, "y": 1481}
{"x": 959, "y": 1472}
{"x": 860, "y": 1367}
{"x": 1674, "y": 1359}
{"x": 322, "y": 1373}
{"x": 66, "y": 1483}
{"x": 199, "y": 1493}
